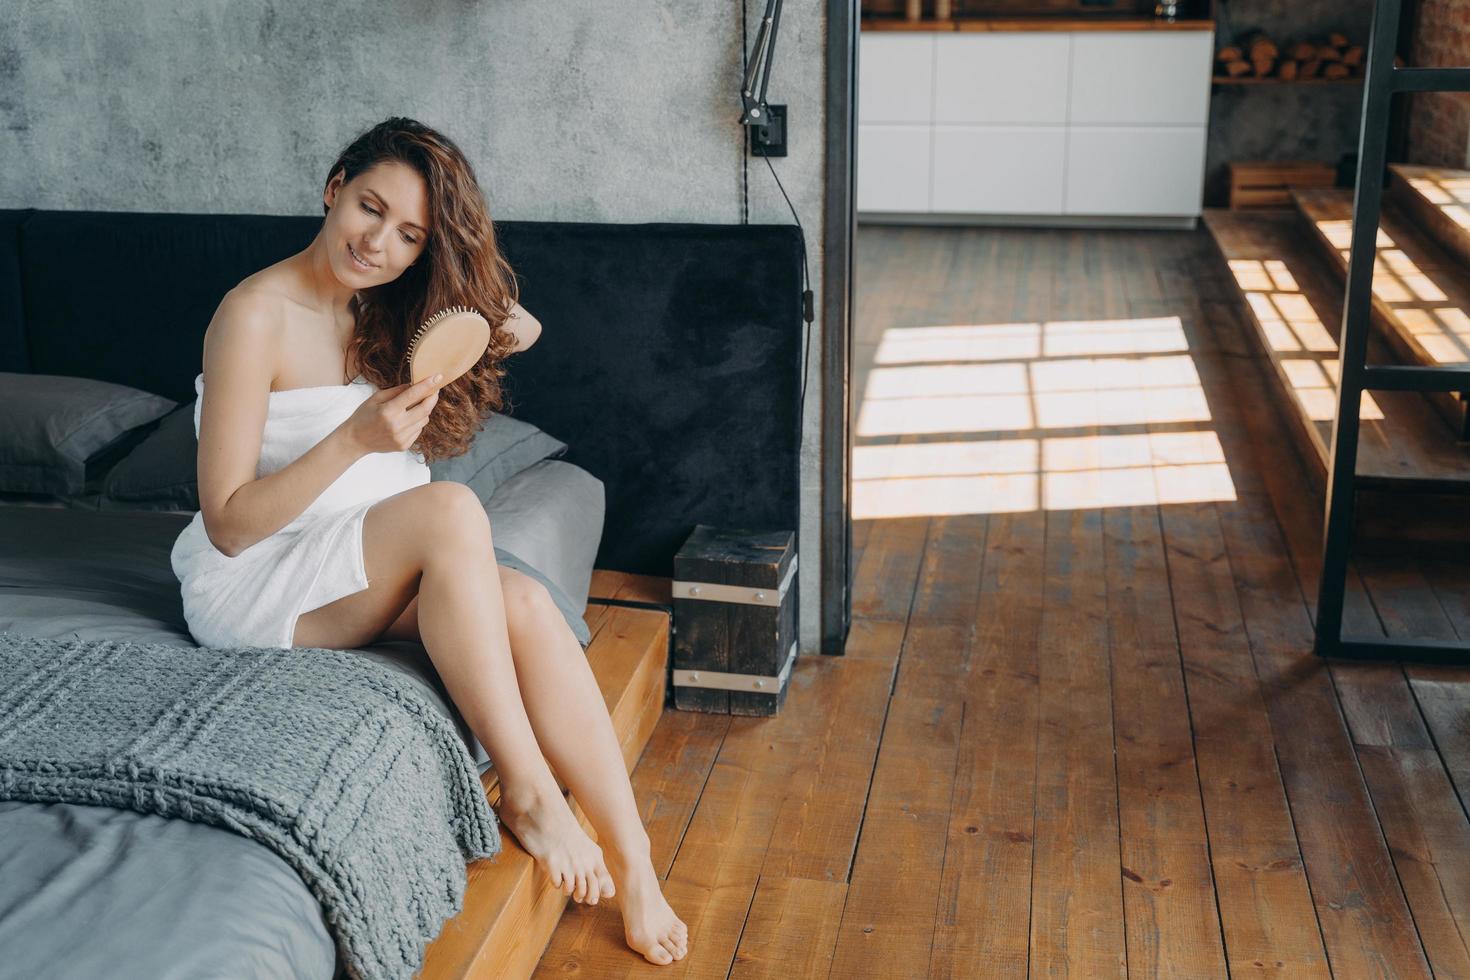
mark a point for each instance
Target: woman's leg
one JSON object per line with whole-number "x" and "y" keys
{"x": 571, "y": 721}
{"x": 434, "y": 540}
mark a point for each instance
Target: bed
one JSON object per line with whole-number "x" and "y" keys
{"x": 171, "y": 898}
{"x": 673, "y": 381}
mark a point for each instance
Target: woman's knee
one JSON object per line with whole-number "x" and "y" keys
{"x": 454, "y": 517}
{"x": 527, "y": 600}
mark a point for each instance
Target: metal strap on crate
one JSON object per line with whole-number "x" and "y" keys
{"x": 721, "y": 680}
{"x": 715, "y": 592}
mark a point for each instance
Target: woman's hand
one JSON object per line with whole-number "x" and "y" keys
{"x": 391, "y": 420}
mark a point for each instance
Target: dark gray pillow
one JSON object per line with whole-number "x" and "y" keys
{"x": 502, "y": 448}
{"x": 161, "y": 473}
{"x": 57, "y": 432}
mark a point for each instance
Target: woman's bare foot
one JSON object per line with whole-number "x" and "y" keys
{"x": 545, "y": 827}
{"x": 649, "y": 924}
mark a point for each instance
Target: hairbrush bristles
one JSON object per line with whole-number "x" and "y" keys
{"x": 423, "y": 327}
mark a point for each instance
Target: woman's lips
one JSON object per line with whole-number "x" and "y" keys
{"x": 364, "y": 266}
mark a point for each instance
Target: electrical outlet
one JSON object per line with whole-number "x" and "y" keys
{"x": 770, "y": 140}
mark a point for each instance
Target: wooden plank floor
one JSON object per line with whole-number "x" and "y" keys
{"x": 1078, "y": 729}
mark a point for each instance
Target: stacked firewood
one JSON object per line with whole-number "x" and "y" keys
{"x": 1257, "y": 56}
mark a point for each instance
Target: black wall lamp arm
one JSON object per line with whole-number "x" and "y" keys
{"x": 762, "y": 55}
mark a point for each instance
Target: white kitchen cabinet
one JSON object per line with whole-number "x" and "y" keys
{"x": 893, "y": 166}
{"x": 998, "y": 169}
{"x": 1109, "y": 124}
{"x": 1144, "y": 77}
{"x": 896, "y": 78}
{"x": 1001, "y": 78}
{"x": 1117, "y": 170}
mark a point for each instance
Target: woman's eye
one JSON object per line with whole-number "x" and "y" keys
{"x": 407, "y": 238}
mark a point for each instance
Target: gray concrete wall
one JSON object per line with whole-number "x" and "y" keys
{"x": 1282, "y": 121}
{"x": 579, "y": 111}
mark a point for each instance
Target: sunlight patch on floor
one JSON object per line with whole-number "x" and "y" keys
{"x": 1043, "y": 395}
{"x": 963, "y": 342}
{"x": 1016, "y": 475}
{"x": 1007, "y": 395}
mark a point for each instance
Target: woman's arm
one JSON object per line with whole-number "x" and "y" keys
{"x": 240, "y": 510}
{"x": 525, "y": 326}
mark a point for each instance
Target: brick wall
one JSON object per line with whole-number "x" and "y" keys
{"x": 1439, "y": 123}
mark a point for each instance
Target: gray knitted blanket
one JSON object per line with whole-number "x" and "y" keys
{"x": 332, "y": 761}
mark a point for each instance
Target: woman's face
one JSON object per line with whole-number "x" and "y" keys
{"x": 379, "y": 217}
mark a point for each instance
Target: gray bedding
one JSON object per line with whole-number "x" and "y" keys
{"x": 93, "y": 891}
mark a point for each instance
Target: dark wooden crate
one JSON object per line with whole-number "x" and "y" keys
{"x": 725, "y": 622}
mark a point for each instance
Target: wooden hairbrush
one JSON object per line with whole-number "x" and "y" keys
{"x": 450, "y": 342}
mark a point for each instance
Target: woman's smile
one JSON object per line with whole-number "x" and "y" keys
{"x": 358, "y": 261}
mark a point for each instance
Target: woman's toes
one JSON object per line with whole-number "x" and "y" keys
{"x": 660, "y": 955}
{"x": 580, "y": 891}
{"x": 605, "y": 881}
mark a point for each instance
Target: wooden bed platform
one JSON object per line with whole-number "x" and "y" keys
{"x": 510, "y": 909}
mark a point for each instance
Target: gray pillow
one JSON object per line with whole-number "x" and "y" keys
{"x": 58, "y": 434}
{"x": 161, "y": 473}
{"x": 502, "y": 448}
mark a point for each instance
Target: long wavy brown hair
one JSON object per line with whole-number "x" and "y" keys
{"x": 461, "y": 265}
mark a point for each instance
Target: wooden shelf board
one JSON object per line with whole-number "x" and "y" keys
{"x": 1252, "y": 80}
{"x": 1295, "y": 310}
{"x": 1438, "y": 200}
{"x": 1034, "y": 24}
{"x": 1419, "y": 292}
{"x": 1420, "y": 297}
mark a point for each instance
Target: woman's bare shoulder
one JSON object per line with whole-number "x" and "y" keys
{"x": 247, "y": 308}
{"x": 274, "y": 278}
{"x": 268, "y": 290}
{"x": 247, "y": 323}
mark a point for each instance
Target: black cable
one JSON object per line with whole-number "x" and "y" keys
{"x": 745, "y": 180}
{"x": 806, "y": 289}
{"x": 807, "y": 312}
{"x": 631, "y": 604}
{"x": 744, "y": 156}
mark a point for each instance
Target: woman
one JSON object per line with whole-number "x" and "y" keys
{"x": 318, "y": 526}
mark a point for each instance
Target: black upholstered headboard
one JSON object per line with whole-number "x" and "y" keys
{"x": 669, "y": 359}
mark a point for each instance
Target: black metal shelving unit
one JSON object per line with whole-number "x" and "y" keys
{"x": 1381, "y": 82}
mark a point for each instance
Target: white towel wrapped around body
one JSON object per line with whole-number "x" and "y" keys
{"x": 255, "y": 598}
